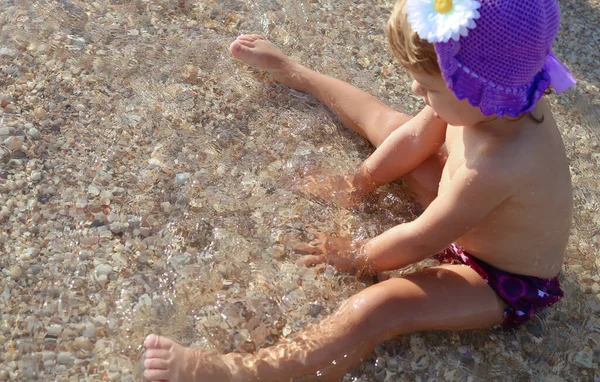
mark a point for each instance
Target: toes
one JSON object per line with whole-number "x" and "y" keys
{"x": 156, "y": 375}
{"x": 156, "y": 363}
{"x": 249, "y": 44}
{"x": 237, "y": 48}
{"x": 246, "y": 37}
{"x": 250, "y": 37}
{"x": 158, "y": 342}
{"x": 157, "y": 353}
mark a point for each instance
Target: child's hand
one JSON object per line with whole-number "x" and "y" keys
{"x": 341, "y": 252}
{"x": 345, "y": 190}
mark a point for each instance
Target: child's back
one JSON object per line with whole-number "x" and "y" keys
{"x": 527, "y": 160}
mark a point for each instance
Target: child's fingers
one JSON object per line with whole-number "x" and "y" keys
{"x": 308, "y": 248}
{"x": 311, "y": 260}
{"x": 321, "y": 237}
{"x": 341, "y": 263}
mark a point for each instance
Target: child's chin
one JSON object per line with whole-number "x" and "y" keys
{"x": 437, "y": 116}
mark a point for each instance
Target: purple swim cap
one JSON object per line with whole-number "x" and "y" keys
{"x": 495, "y": 53}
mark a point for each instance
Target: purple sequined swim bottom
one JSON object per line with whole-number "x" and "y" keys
{"x": 524, "y": 295}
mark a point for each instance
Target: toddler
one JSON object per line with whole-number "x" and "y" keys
{"x": 485, "y": 159}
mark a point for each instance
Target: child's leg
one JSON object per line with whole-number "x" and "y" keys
{"x": 451, "y": 298}
{"x": 424, "y": 181}
{"x": 358, "y": 110}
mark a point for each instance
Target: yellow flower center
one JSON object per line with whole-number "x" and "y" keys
{"x": 443, "y": 6}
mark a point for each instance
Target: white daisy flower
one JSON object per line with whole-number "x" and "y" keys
{"x": 442, "y": 20}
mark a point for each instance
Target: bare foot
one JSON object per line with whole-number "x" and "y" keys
{"x": 255, "y": 51}
{"x": 167, "y": 360}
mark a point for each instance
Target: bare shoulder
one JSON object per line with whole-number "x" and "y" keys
{"x": 499, "y": 159}
{"x": 514, "y": 147}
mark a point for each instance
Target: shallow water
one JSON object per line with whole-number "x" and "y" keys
{"x": 159, "y": 189}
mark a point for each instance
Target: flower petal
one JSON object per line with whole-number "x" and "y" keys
{"x": 438, "y": 27}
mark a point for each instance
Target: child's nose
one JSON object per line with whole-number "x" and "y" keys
{"x": 417, "y": 89}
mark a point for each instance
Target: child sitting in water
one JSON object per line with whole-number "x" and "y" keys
{"x": 484, "y": 157}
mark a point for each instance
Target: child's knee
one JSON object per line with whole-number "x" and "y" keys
{"x": 424, "y": 181}
{"x": 368, "y": 311}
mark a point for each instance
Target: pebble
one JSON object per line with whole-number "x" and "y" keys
{"x": 13, "y": 143}
{"x": 89, "y": 241}
{"x": 418, "y": 347}
{"x": 6, "y": 131}
{"x": 114, "y": 376}
{"x": 166, "y": 207}
{"x": 48, "y": 355}
{"x": 315, "y": 310}
{"x": 178, "y": 261}
{"x": 465, "y": 352}
{"x": 77, "y": 284}
{"x": 55, "y": 330}
{"x": 116, "y": 227}
{"x": 100, "y": 219}
{"x": 113, "y": 218}
{"x": 102, "y": 280}
{"x": 89, "y": 331}
{"x": 16, "y": 272}
{"x": 36, "y": 175}
{"x": 380, "y": 363}
{"x": 4, "y": 375}
{"x": 34, "y": 133}
{"x": 39, "y": 113}
{"x": 145, "y": 300}
{"x": 278, "y": 252}
{"x": 99, "y": 320}
{"x": 12, "y": 355}
{"x": 64, "y": 358}
{"x": 93, "y": 190}
{"x": 83, "y": 343}
{"x": 585, "y": 357}
{"x": 80, "y": 107}
{"x": 181, "y": 178}
{"x": 103, "y": 269}
{"x": 35, "y": 269}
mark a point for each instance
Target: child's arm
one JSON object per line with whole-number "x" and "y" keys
{"x": 474, "y": 192}
{"x": 403, "y": 150}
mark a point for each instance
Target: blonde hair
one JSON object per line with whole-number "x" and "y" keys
{"x": 411, "y": 51}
